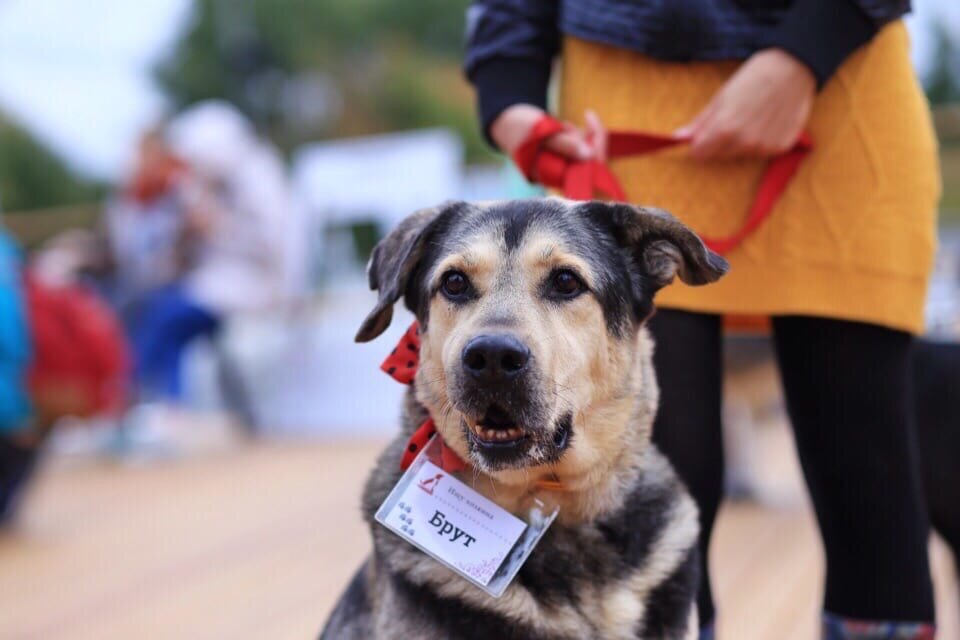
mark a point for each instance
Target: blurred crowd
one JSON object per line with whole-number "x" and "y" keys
{"x": 96, "y": 322}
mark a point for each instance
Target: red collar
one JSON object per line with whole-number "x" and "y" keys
{"x": 401, "y": 365}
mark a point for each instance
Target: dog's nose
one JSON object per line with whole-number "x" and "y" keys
{"x": 495, "y": 357}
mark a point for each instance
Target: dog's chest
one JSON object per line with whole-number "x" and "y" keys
{"x": 591, "y": 579}
{"x": 586, "y": 582}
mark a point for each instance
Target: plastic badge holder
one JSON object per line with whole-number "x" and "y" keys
{"x": 471, "y": 535}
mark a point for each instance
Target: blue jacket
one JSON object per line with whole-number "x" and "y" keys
{"x": 14, "y": 340}
{"x": 512, "y": 43}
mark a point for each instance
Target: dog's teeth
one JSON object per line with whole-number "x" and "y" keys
{"x": 496, "y": 435}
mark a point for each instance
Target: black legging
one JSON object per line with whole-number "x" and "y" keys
{"x": 848, "y": 397}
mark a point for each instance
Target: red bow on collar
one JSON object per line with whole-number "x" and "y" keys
{"x": 401, "y": 365}
{"x": 584, "y": 179}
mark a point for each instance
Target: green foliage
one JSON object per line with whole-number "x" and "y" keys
{"x": 943, "y": 83}
{"x": 31, "y": 177}
{"x": 389, "y": 63}
{"x": 413, "y": 96}
{"x": 950, "y": 166}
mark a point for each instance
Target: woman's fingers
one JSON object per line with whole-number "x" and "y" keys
{"x": 712, "y": 144}
{"x": 730, "y": 133}
{"x": 711, "y": 133}
{"x": 596, "y": 134}
{"x": 692, "y": 127}
{"x": 760, "y": 110}
{"x": 513, "y": 125}
{"x": 763, "y": 137}
{"x": 581, "y": 144}
{"x": 571, "y": 143}
{"x": 713, "y": 137}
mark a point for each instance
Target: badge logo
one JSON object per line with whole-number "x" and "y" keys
{"x": 427, "y": 485}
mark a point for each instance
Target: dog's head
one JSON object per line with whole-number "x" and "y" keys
{"x": 529, "y": 313}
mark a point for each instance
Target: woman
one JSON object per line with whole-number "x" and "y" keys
{"x": 841, "y": 266}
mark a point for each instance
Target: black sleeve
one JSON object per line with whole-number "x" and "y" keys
{"x": 510, "y": 49}
{"x": 823, "y": 33}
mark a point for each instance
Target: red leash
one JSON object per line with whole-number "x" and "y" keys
{"x": 585, "y": 179}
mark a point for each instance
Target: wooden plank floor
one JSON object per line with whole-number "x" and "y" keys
{"x": 258, "y": 541}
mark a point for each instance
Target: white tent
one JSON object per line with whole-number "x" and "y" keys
{"x": 382, "y": 177}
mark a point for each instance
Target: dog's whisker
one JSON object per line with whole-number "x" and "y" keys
{"x": 493, "y": 486}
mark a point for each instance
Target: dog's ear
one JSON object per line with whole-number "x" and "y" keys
{"x": 391, "y": 264}
{"x": 668, "y": 248}
{"x": 664, "y": 247}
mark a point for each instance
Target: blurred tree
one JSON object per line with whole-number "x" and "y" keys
{"x": 32, "y": 177}
{"x": 943, "y": 81}
{"x": 294, "y": 66}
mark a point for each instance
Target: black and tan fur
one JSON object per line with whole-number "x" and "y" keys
{"x": 620, "y": 561}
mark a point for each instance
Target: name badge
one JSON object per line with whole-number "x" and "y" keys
{"x": 434, "y": 511}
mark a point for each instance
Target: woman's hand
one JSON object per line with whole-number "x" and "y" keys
{"x": 759, "y": 112}
{"x": 513, "y": 126}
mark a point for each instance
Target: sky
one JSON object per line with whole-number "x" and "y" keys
{"x": 76, "y": 72}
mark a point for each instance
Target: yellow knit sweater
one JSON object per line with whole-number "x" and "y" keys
{"x": 854, "y": 235}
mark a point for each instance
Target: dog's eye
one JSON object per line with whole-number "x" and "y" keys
{"x": 566, "y": 284}
{"x": 454, "y": 285}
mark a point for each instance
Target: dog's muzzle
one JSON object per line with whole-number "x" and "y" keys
{"x": 499, "y": 394}
{"x": 496, "y": 389}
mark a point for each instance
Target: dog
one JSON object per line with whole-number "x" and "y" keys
{"x": 535, "y": 363}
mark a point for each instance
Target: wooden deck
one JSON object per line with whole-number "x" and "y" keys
{"x": 258, "y": 541}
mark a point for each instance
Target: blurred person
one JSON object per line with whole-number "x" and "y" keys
{"x": 153, "y": 238}
{"x": 16, "y": 457}
{"x": 220, "y": 203}
{"x": 841, "y": 267}
{"x": 62, "y": 352}
{"x": 241, "y": 203}
{"x": 145, "y": 224}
